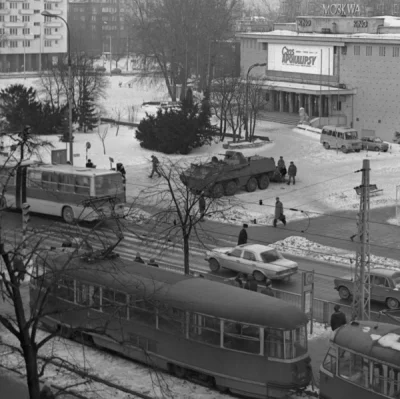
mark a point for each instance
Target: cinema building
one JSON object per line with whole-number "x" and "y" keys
{"x": 342, "y": 70}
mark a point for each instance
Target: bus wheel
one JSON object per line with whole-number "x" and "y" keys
{"x": 178, "y": 371}
{"x": 68, "y": 214}
{"x": 344, "y": 293}
{"x": 392, "y": 303}
{"x": 327, "y": 146}
{"x": 344, "y": 149}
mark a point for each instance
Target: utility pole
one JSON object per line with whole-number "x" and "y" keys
{"x": 361, "y": 307}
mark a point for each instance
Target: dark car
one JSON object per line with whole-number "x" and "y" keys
{"x": 100, "y": 69}
{"x": 374, "y": 143}
{"x": 116, "y": 71}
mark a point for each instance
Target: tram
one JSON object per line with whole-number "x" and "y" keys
{"x": 223, "y": 336}
{"x": 363, "y": 361}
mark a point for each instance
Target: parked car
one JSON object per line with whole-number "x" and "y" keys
{"x": 116, "y": 71}
{"x": 100, "y": 69}
{"x": 385, "y": 287}
{"x": 374, "y": 143}
{"x": 259, "y": 260}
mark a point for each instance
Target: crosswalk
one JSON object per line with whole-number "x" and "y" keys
{"x": 167, "y": 252}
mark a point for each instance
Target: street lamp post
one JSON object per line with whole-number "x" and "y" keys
{"x": 246, "y": 117}
{"x": 71, "y": 146}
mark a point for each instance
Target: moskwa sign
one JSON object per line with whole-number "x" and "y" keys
{"x": 341, "y": 9}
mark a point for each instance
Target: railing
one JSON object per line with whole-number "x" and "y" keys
{"x": 322, "y": 310}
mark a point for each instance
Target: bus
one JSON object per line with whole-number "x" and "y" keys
{"x": 71, "y": 192}
{"x": 363, "y": 361}
{"x": 223, "y": 336}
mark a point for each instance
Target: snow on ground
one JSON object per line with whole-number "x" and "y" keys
{"x": 121, "y": 371}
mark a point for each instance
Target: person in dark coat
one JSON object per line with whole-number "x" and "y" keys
{"x": 279, "y": 212}
{"x": 251, "y": 284}
{"x": 202, "y": 207}
{"x": 243, "y": 235}
{"x": 153, "y": 263}
{"x": 282, "y": 167}
{"x": 121, "y": 169}
{"x": 338, "y": 318}
{"x": 268, "y": 288}
{"x": 155, "y": 162}
{"x": 89, "y": 164}
{"x": 138, "y": 258}
{"x": 292, "y": 172}
{"x": 46, "y": 393}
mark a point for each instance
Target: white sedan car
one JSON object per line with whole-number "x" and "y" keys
{"x": 259, "y": 260}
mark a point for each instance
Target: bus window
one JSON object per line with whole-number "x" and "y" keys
{"x": 82, "y": 185}
{"x": 241, "y": 337}
{"x": 34, "y": 179}
{"x": 273, "y": 343}
{"x": 108, "y": 184}
{"x": 204, "y": 328}
{"x": 329, "y": 363}
{"x": 66, "y": 183}
{"x": 351, "y": 135}
{"x": 340, "y": 135}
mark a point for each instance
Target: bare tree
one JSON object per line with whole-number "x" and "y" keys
{"x": 117, "y": 118}
{"x": 256, "y": 103}
{"x": 102, "y": 134}
{"x": 174, "y": 38}
{"x": 179, "y": 214}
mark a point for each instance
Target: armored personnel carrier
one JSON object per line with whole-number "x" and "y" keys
{"x": 225, "y": 177}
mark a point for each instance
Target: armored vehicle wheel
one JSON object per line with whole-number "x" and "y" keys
{"x": 263, "y": 182}
{"x": 251, "y": 185}
{"x": 344, "y": 149}
{"x": 218, "y": 190}
{"x": 344, "y": 293}
{"x": 230, "y": 187}
{"x": 327, "y": 146}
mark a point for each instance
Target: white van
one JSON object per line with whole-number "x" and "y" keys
{"x": 344, "y": 138}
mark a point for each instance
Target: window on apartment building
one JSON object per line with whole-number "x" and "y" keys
{"x": 25, "y": 6}
{"x": 2, "y": 31}
{"x": 47, "y": 6}
{"x": 13, "y": 31}
{"x": 26, "y": 43}
{"x": 26, "y": 18}
{"x": 13, "y": 6}
{"x": 13, "y": 18}
{"x": 1, "y": 18}
{"x": 47, "y": 43}
{"x": 56, "y": 41}
{"x": 26, "y": 31}
{"x": 83, "y": 18}
{"x": 36, "y": 24}
{"x": 356, "y": 50}
{"x": 38, "y": 12}
{"x": 368, "y": 50}
{"x": 382, "y": 51}
{"x": 47, "y": 31}
{"x": 48, "y": 19}
{"x": 396, "y": 51}
{"x": 13, "y": 43}
{"x": 36, "y": 36}
{"x": 56, "y": 30}
{"x": 94, "y": 17}
{"x": 3, "y": 44}
{"x": 93, "y": 27}
{"x": 2, "y": 6}
{"x": 344, "y": 50}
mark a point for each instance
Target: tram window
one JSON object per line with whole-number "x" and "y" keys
{"x": 66, "y": 183}
{"x": 378, "y": 377}
{"x": 171, "y": 320}
{"x": 82, "y": 185}
{"x": 299, "y": 341}
{"x": 241, "y": 337}
{"x": 46, "y": 180}
{"x": 351, "y": 367}
{"x": 65, "y": 289}
{"x": 329, "y": 363}
{"x": 141, "y": 310}
{"x": 95, "y": 294}
{"x": 393, "y": 382}
{"x": 82, "y": 294}
{"x": 274, "y": 343}
{"x": 204, "y": 328}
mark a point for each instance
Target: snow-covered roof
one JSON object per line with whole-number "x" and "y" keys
{"x": 306, "y": 88}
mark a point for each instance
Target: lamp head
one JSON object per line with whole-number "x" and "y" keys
{"x": 45, "y": 13}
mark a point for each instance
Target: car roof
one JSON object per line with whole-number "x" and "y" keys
{"x": 255, "y": 247}
{"x": 384, "y": 272}
{"x": 339, "y": 128}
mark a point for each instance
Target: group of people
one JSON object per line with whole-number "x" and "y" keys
{"x": 151, "y": 262}
{"x": 248, "y": 282}
{"x": 281, "y": 171}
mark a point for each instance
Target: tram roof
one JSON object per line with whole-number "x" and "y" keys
{"x": 375, "y": 340}
{"x": 191, "y": 293}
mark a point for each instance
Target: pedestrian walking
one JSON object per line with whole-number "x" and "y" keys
{"x": 282, "y": 167}
{"x": 268, "y": 288}
{"x": 155, "y": 162}
{"x": 338, "y": 318}
{"x": 153, "y": 263}
{"x": 251, "y": 283}
{"x": 292, "y": 172}
{"x": 243, "y": 235}
{"x": 279, "y": 212}
{"x": 138, "y": 258}
{"x": 121, "y": 169}
{"x": 202, "y": 207}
